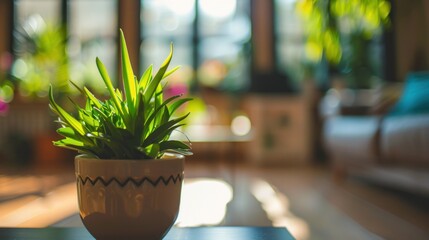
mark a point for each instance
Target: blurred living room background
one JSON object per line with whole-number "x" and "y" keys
{"x": 307, "y": 114}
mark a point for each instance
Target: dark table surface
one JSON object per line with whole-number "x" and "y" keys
{"x": 196, "y": 233}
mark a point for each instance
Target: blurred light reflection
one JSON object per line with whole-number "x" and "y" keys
{"x": 180, "y": 7}
{"x": 276, "y": 206}
{"x": 204, "y": 202}
{"x": 218, "y": 9}
{"x": 241, "y": 125}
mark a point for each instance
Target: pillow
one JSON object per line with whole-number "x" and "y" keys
{"x": 415, "y": 96}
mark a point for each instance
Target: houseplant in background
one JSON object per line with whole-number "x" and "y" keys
{"x": 42, "y": 59}
{"x": 129, "y": 173}
{"x": 345, "y": 33}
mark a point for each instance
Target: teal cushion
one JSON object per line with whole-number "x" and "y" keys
{"x": 415, "y": 96}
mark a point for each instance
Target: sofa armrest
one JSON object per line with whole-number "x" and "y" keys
{"x": 405, "y": 139}
{"x": 352, "y": 140}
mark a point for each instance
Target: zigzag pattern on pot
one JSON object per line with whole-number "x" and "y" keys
{"x": 138, "y": 183}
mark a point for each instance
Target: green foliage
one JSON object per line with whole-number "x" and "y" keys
{"x": 132, "y": 124}
{"x": 41, "y": 58}
{"x": 322, "y": 17}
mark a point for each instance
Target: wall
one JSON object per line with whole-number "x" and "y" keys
{"x": 262, "y": 36}
{"x": 411, "y": 36}
{"x": 5, "y": 26}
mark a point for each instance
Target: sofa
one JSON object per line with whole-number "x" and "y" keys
{"x": 389, "y": 146}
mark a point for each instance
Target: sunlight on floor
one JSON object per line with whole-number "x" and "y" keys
{"x": 204, "y": 202}
{"x": 40, "y": 211}
{"x": 276, "y": 206}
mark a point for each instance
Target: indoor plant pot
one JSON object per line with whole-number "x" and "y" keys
{"x": 129, "y": 172}
{"x": 129, "y": 199}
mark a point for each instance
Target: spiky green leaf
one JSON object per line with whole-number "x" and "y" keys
{"x": 163, "y": 130}
{"x": 146, "y": 78}
{"x": 72, "y": 122}
{"x": 130, "y": 86}
{"x": 109, "y": 85}
{"x": 173, "y": 144}
{"x": 153, "y": 85}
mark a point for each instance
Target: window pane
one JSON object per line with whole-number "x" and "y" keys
{"x": 224, "y": 64}
{"x": 290, "y": 41}
{"x": 33, "y": 18}
{"x": 164, "y": 22}
{"x": 213, "y": 44}
{"x": 49, "y": 10}
{"x": 92, "y": 34}
{"x": 154, "y": 52}
{"x": 39, "y": 48}
{"x": 224, "y": 32}
{"x": 167, "y": 18}
{"x": 225, "y": 17}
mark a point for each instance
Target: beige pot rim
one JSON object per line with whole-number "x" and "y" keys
{"x": 171, "y": 166}
{"x": 166, "y": 156}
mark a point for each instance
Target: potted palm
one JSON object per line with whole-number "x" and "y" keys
{"x": 129, "y": 172}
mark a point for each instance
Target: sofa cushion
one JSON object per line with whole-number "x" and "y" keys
{"x": 415, "y": 97}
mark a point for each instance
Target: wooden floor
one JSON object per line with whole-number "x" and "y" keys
{"x": 303, "y": 199}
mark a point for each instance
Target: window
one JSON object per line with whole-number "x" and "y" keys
{"x": 211, "y": 40}
{"x": 57, "y": 40}
{"x": 92, "y": 35}
{"x": 290, "y": 41}
{"x": 165, "y": 22}
{"x": 39, "y": 47}
{"x": 49, "y": 10}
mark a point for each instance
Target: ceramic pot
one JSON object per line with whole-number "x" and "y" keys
{"x": 129, "y": 199}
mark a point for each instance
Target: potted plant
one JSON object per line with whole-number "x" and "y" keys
{"x": 129, "y": 172}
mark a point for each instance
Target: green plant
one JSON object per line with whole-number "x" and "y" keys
{"x": 41, "y": 58}
{"x": 322, "y": 23}
{"x": 132, "y": 124}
